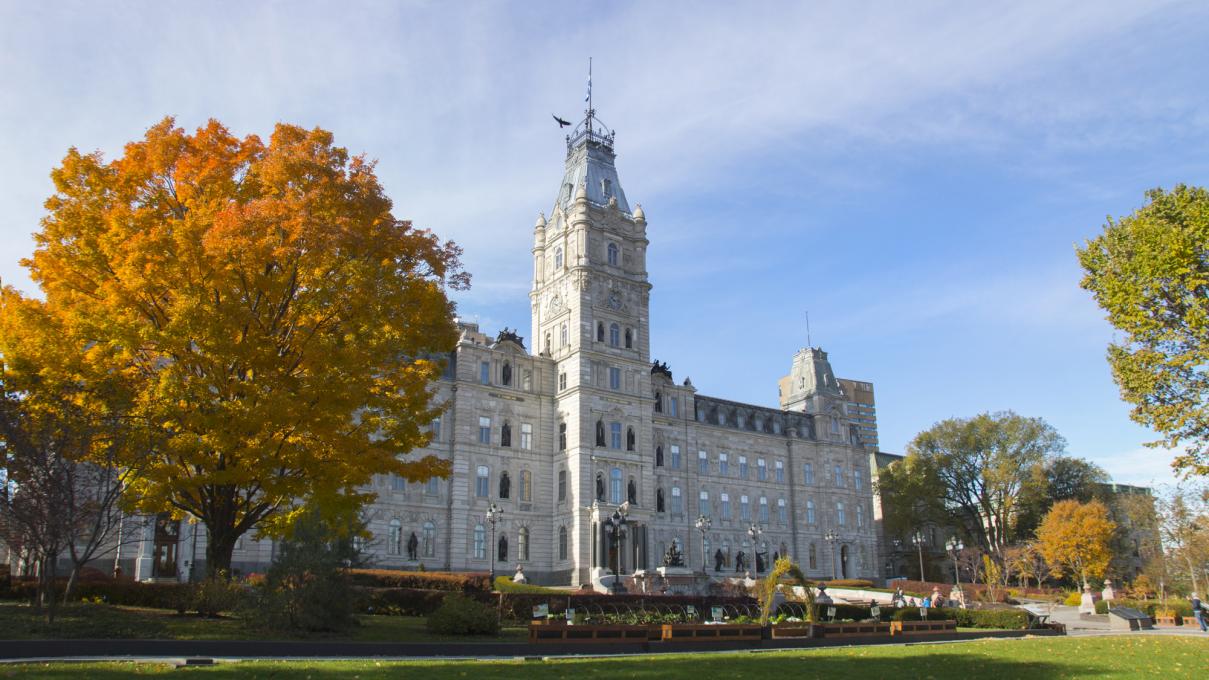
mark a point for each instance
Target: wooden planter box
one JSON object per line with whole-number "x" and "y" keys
{"x": 1175, "y": 620}
{"x": 852, "y": 629}
{"x": 615, "y": 633}
{"x": 795, "y": 630}
{"x": 704, "y": 632}
{"x": 922, "y": 627}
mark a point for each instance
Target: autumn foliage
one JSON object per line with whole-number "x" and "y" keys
{"x": 279, "y": 327}
{"x": 1076, "y": 539}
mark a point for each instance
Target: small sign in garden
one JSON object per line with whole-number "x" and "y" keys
{"x": 541, "y": 611}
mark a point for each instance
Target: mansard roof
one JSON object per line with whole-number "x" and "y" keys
{"x": 590, "y": 166}
{"x": 710, "y": 408}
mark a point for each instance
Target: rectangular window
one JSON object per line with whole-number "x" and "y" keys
{"x": 808, "y": 473}
{"x": 615, "y": 434}
{"x": 398, "y": 483}
{"x": 614, "y": 378}
{"x": 675, "y": 406}
{"x": 484, "y": 430}
{"x": 703, "y": 503}
{"x": 725, "y": 498}
{"x": 481, "y": 481}
{"x": 702, "y": 463}
{"x": 675, "y": 457}
{"x": 839, "y": 513}
{"x": 562, "y": 381}
{"x": 436, "y": 429}
{"x": 527, "y": 380}
{"x": 761, "y": 470}
{"x": 860, "y": 517}
{"x": 744, "y": 509}
{"x": 485, "y": 373}
{"x": 743, "y": 467}
{"x": 780, "y": 470}
{"x": 433, "y": 486}
{"x": 562, "y": 485}
{"x": 839, "y": 476}
{"x": 677, "y": 501}
{"x": 810, "y": 512}
{"x": 526, "y": 436}
{"x": 782, "y": 512}
{"x": 856, "y": 479}
{"x": 723, "y": 464}
{"x": 763, "y": 510}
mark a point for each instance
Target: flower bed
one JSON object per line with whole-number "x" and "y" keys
{"x": 605, "y": 633}
{"x": 852, "y": 629}
{"x": 922, "y": 627}
{"x": 795, "y": 630}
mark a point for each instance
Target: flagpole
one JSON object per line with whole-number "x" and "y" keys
{"x": 589, "y": 121}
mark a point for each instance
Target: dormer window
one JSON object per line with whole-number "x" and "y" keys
{"x": 606, "y": 187}
{"x": 612, "y": 252}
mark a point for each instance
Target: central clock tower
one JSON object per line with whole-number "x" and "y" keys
{"x": 590, "y": 312}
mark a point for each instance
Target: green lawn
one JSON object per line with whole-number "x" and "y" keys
{"x": 1034, "y": 659}
{"x": 93, "y": 621}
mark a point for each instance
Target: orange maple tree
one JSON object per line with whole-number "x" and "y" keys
{"x": 281, "y": 327}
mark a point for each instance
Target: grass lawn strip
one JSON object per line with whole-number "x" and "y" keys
{"x": 1034, "y": 658}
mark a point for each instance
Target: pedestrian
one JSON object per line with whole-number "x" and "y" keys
{"x": 927, "y": 602}
{"x": 1198, "y": 611}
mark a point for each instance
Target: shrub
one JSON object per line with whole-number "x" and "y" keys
{"x": 306, "y": 588}
{"x": 848, "y": 583}
{"x": 1073, "y": 599}
{"x": 1014, "y": 619}
{"x": 460, "y": 615}
{"x": 214, "y": 596}
{"x": 401, "y": 601}
{"x": 422, "y": 580}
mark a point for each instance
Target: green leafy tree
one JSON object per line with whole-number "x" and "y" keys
{"x": 977, "y": 470}
{"x": 1150, "y": 272}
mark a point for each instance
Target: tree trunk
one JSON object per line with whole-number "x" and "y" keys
{"x": 220, "y": 543}
{"x": 47, "y": 595}
{"x": 71, "y": 583}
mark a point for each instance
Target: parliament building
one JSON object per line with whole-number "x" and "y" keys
{"x": 564, "y": 428}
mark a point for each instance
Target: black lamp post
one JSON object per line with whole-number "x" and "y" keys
{"x": 954, "y": 546}
{"x": 918, "y": 540}
{"x": 832, "y": 536}
{"x": 494, "y": 513}
{"x": 703, "y": 525}
{"x": 615, "y": 525}
{"x": 755, "y": 532}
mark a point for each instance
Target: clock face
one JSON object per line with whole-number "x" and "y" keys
{"x": 615, "y": 300}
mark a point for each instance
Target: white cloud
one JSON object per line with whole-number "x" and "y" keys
{"x": 1141, "y": 465}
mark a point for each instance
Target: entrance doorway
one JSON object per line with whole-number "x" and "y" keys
{"x": 164, "y": 547}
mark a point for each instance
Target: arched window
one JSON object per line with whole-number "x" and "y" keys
{"x": 677, "y": 501}
{"x": 506, "y": 374}
{"x": 505, "y": 484}
{"x": 480, "y": 542}
{"x": 522, "y": 545}
{"x": 632, "y": 492}
{"x": 658, "y": 401}
{"x": 612, "y": 253}
{"x": 506, "y": 434}
{"x": 502, "y": 555}
{"x": 599, "y": 331}
{"x": 629, "y": 439}
{"x": 428, "y": 539}
{"x": 614, "y": 334}
{"x": 615, "y": 486}
{"x": 562, "y": 543}
{"x": 558, "y": 257}
{"x": 629, "y": 339}
{"x": 659, "y": 503}
{"x": 526, "y": 486}
{"x": 395, "y": 538}
{"x": 658, "y": 456}
{"x": 600, "y": 436}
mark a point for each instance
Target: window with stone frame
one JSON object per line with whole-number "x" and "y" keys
{"x": 677, "y": 501}
{"x": 527, "y": 436}
{"x": 562, "y": 543}
{"x": 482, "y": 481}
{"x": 480, "y": 542}
{"x": 562, "y": 485}
{"x": 484, "y": 430}
{"x": 615, "y": 435}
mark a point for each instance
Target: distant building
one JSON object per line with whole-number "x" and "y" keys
{"x": 862, "y": 409}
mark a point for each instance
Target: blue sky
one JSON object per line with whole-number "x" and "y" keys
{"x": 916, "y": 175}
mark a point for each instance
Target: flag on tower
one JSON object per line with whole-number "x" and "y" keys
{"x": 588, "y": 95}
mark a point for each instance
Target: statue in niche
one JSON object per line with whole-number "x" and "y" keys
{"x": 600, "y": 435}
{"x": 505, "y": 485}
{"x": 673, "y": 557}
{"x": 506, "y": 374}
{"x": 600, "y": 490}
{"x": 632, "y": 493}
{"x": 740, "y": 562}
{"x": 413, "y": 544}
{"x": 719, "y": 560}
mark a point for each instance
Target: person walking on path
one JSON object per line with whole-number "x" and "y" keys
{"x": 1198, "y": 611}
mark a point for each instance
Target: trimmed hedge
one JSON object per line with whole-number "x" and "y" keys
{"x": 504, "y": 584}
{"x": 847, "y": 583}
{"x": 1149, "y": 607}
{"x": 471, "y": 582}
{"x": 403, "y": 601}
{"x": 178, "y": 596}
{"x": 519, "y": 606}
{"x": 1013, "y": 619}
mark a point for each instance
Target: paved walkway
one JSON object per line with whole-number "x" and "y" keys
{"x": 1098, "y": 625}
